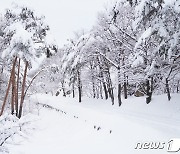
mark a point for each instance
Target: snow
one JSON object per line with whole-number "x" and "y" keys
{"x": 14, "y": 130}
{"x": 138, "y": 15}
{"x": 23, "y": 42}
{"x": 94, "y": 126}
{"x": 177, "y": 6}
{"x": 160, "y": 27}
{"x": 143, "y": 37}
{"x": 21, "y": 36}
{"x": 49, "y": 39}
{"x": 172, "y": 3}
{"x": 150, "y": 69}
{"x": 71, "y": 55}
{"x": 37, "y": 63}
{"x": 137, "y": 61}
{"x": 76, "y": 61}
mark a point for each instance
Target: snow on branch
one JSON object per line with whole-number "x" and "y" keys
{"x": 109, "y": 60}
{"x": 10, "y": 126}
{"x": 143, "y": 37}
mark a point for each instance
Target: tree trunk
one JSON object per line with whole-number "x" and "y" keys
{"x": 93, "y": 81}
{"x": 13, "y": 91}
{"x": 34, "y": 77}
{"x": 148, "y": 92}
{"x": 167, "y": 89}
{"x": 94, "y": 90}
{"x": 109, "y": 86}
{"x": 105, "y": 90}
{"x": 177, "y": 90}
{"x": 63, "y": 88}
{"x": 125, "y": 90}
{"x": 48, "y": 53}
{"x": 152, "y": 84}
{"x": 73, "y": 90}
{"x": 15, "y": 96}
{"x": 9, "y": 85}
{"x": 79, "y": 89}
{"x": 125, "y": 87}
{"x": 79, "y": 85}
{"x": 22, "y": 93}
{"x": 110, "y": 91}
{"x": 97, "y": 93}
{"x": 104, "y": 84}
{"x": 112, "y": 95}
{"x": 125, "y": 83}
{"x": 103, "y": 80}
{"x": 17, "y": 89}
{"x": 119, "y": 95}
{"x": 100, "y": 89}
{"x": 119, "y": 87}
{"x": 127, "y": 79}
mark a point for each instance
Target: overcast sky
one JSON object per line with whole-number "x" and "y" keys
{"x": 66, "y": 16}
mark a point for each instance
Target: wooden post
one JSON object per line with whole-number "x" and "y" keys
{"x": 9, "y": 85}
{"x": 22, "y": 92}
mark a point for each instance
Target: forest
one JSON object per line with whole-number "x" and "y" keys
{"x": 133, "y": 50}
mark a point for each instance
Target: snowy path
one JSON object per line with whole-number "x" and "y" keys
{"x": 98, "y": 129}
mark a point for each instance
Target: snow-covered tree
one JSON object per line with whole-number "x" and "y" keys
{"x": 23, "y": 37}
{"x": 75, "y": 59}
{"x": 158, "y": 43}
{"x": 114, "y": 30}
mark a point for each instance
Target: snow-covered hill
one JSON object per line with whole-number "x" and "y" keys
{"x": 96, "y": 127}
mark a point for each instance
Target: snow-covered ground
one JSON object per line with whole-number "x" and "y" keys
{"x": 96, "y": 127}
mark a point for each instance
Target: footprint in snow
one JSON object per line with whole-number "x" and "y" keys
{"x": 98, "y": 128}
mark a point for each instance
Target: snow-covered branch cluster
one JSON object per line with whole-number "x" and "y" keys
{"x": 12, "y": 128}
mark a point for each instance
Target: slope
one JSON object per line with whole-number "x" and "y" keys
{"x": 95, "y": 126}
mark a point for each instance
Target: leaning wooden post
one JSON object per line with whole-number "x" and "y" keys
{"x": 9, "y": 85}
{"x": 22, "y": 93}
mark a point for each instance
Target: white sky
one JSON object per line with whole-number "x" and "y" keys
{"x": 66, "y": 16}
